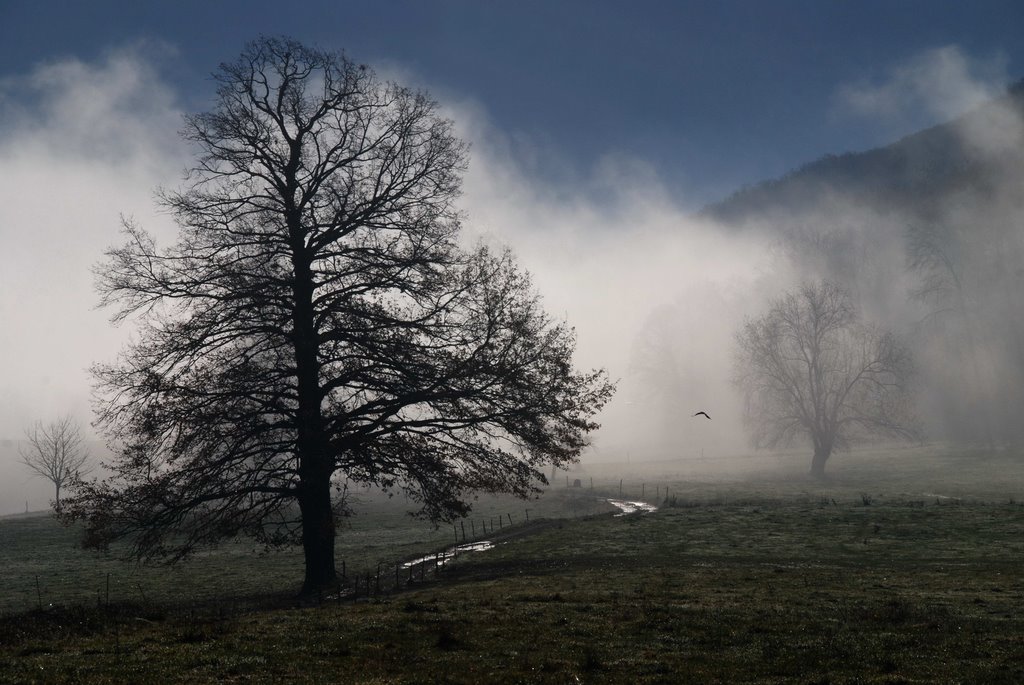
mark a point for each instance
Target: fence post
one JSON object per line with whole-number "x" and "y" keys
{"x": 527, "y": 515}
{"x": 620, "y": 487}
{"x": 463, "y": 533}
{"x": 509, "y": 519}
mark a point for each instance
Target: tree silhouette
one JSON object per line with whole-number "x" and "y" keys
{"x": 317, "y": 321}
{"x": 55, "y": 452}
{"x": 810, "y": 368}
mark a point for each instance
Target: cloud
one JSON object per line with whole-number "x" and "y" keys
{"x": 929, "y": 87}
{"x": 83, "y": 143}
{"x": 80, "y": 144}
{"x": 624, "y": 262}
{"x": 114, "y": 111}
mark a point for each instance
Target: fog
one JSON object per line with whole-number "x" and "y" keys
{"x": 655, "y": 289}
{"x": 655, "y": 294}
{"x": 929, "y": 236}
{"x": 80, "y": 144}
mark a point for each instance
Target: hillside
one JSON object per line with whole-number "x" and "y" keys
{"x": 912, "y": 175}
{"x": 928, "y": 235}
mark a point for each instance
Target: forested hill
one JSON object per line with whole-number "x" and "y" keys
{"x": 969, "y": 154}
{"x": 928, "y": 235}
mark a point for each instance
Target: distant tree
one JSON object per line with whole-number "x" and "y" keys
{"x": 810, "y": 368}
{"x": 55, "y": 452}
{"x": 319, "y": 321}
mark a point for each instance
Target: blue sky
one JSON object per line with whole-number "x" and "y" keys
{"x": 711, "y": 94}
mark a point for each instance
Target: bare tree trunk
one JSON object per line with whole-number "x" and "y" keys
{"x": 318, "y": 535}
{"x": 821, "y": 455}
{"x": 315, "y": 467}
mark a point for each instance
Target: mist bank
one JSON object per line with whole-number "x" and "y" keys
{"x": 654, "y": 293}
{"x": 81, "y": 144}
{"x": 928, "y": 234}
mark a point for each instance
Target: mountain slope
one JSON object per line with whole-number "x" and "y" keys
{"x": 972, "y": 153}
{"x": 928, "y": 235}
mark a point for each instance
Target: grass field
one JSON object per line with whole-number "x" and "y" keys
{"x": 904, "y": 567}
{"x": 41, "y": 564}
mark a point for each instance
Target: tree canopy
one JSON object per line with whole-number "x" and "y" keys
{"x": 319, "y": 320}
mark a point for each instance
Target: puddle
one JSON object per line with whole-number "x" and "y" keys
{"x": 451, "y": 553}
{"x": 628, "y": 507}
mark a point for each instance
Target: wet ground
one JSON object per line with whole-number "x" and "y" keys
{"x": 630, "y": 507}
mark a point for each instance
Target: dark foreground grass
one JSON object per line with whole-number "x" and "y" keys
{"x": 774, "y": 590}
{"x": 41, "y": 564}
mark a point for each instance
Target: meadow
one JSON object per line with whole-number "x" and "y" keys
{"x": 904, "y": 566}
{"x": 42, "y": 565}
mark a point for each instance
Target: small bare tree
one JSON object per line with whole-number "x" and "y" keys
{"x": 56, "y": 451}
{"x": 809, "y": 367}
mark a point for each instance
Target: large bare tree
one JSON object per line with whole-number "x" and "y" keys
{"x": 56, "y": 452}
{"x": 317, "y": 321}
{"x": 810, "y": 368}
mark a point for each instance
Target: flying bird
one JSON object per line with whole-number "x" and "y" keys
{"x": 704, "y": 414}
